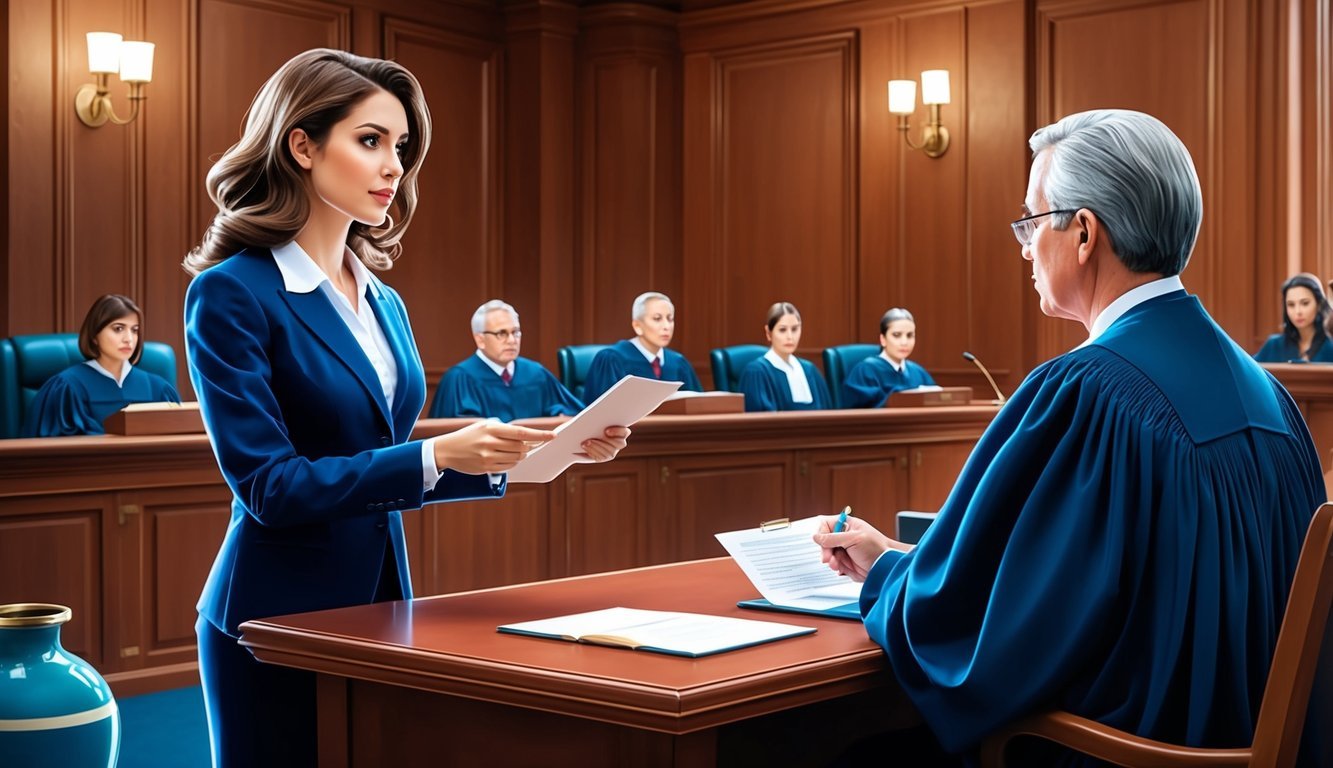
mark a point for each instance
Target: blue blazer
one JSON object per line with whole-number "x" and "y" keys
{"x": 319, "y": 465}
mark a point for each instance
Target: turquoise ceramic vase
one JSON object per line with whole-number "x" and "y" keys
{"x": 55, "y": 710}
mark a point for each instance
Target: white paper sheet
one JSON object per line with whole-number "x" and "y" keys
{"x": 690, "y": 634}
{"x": 784, "y": 565}
{"x": 631, "y": 399}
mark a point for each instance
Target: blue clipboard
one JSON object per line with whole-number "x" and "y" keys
{"x": 846, "y": 611}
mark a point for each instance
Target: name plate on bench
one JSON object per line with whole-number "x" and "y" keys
{"x": 156, "y": 419}
{"x": 915, "y": 398}
{"x": 683, "y": 403}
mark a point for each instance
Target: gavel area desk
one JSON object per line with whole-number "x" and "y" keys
{"x": 431, "y": 682}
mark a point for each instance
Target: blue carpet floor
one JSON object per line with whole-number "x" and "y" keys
{"x": 164, "y": 730}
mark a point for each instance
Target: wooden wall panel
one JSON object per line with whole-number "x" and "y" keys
{"x": 466, "y": 554}
{"x": 873, "y": 482}
{"x": 596, "y": 501}
{"x": 724, "y": 493}
{"x": 452, "y": 255}
{"x": 183, "y": 533}
{"x": 50, "y": 553}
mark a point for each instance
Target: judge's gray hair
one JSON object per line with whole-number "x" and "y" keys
{"x": 640, "y": 308}
{"x": 479, "y": 317}
{"x": 1137, "y": 177}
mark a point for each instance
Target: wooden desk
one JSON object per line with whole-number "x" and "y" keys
{"x": 1311, "y": 386}
{"x": 430, "y": 682}
{"x": 123, "y": 529}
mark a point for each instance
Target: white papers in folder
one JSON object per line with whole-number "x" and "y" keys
{"x": 632, "y": 398}
{"x": 784, "y": 565}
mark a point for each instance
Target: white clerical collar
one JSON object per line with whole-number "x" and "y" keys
{"x": 124, "y": 371}
{"x": 300, "y": 273}
{"x": 649, "y": 356}
{"x": 895, "y": 365}
{"x": 494, "y": 366}
{"x": 1128, "y": 300}
{"x": 782, "y": 365}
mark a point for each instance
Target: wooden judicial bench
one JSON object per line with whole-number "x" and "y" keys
{"x": 1311, "y": 386}
{"x": 430, "y": 681}
{"x": 124, "y": 529}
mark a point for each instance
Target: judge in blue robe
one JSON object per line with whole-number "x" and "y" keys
{"x": 654, "y": 320}
{"x": 1305, "y": 310}
{"x": 1121, "y": 542}
{"x": 871, "y": 381}
{"x": 495, "y": 382}
{"x": 78, "y": 399}
{"x": 781, "y": 381}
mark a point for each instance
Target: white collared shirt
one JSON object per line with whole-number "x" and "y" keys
{"x": 1127, "y": 301}
{"x": 800, "y": 386}
{"x": 660, "y": 357}
{"x": 494, "y": 366}
{"x": 895, "y": 365}
{"x": 300, "y": 274}
{"x": 124, "y": 371}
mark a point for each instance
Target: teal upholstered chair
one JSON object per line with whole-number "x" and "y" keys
{"x": 839, "y": 361}
{"x": 729, "y": 363}
{"x": 26, "y": 362}
{"x": 574, "y": 362}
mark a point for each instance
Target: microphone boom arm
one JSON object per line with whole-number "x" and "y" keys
{"x": 999, "y": 396}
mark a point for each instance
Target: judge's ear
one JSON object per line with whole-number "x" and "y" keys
{"x": 301, "y": 147}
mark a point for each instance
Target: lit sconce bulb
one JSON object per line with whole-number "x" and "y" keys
{"x": 935, "y": 86}
{"x": 902, "y": 97}
{"x": 136, "y": 61}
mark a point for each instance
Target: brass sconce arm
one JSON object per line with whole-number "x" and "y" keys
{"x": 92, "y": 102}
{"x": 934, "y": 136}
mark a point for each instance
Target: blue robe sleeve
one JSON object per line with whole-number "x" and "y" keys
{"x": 163, "y": 392}
{"x": 818, "y": 389}
{"x": 757, "y": 386}
{"x": 458, "y": 397}
{"x": 603, "y": 373}
{"x": 861, "y": 388}
{"x": 926, "y": 379}
{"x": 559, "y": 401}
{"x": 691, "y": 378}
{"x": 1273, "y": 350}
{"x": 61, "y": 409}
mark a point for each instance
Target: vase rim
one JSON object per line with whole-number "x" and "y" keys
{"x": 21, "y": 615}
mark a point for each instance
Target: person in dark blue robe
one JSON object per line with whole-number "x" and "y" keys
{"x": 1305, "y": 312}
{"x": 871, "y": 381}
{"x": 781, "y": 381}
{"x": 78, "y": 399}
{"x": 1121, "y": 542}
{"x": 495, "y": 382}
{"x": 646, "y": 355}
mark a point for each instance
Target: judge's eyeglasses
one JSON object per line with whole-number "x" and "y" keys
{"x": 505, "y": 335}
{"x": 1026, "y": 227}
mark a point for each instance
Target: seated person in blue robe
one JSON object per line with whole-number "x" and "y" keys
{"x": 1305, "y": 311}
{"x": 77, "y": 400}
{"x": 871, "y": 381}
{"x": 1121, "y": 542}
{"x": 781, "y": 381}
{"x": 653, "y": 317}
{"x": 495, "y": 382}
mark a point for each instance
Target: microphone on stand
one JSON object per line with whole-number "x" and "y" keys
{"x": 999, "y": 397}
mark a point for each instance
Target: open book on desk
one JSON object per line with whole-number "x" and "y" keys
{"x": 632, "y": 398}
{"x": 782, "y": 561}
{"x": 678, "y": 634}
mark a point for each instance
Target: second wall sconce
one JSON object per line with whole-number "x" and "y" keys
{"x": 934, "y": 92}
{"x": 108, "y": 54}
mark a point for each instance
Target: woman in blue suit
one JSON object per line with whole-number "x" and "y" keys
{"x": 1305, "y": 310}
{"x": 310, "y": 382}
{"x": 781, "y": 381}
{"x": 872, "y": 380}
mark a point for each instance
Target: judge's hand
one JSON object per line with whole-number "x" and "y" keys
{"x": 856, "y": 549}
{"x": 487, "y": 447}
{"x": 605, "y": 448}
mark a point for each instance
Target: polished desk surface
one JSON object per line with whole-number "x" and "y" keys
{"x": 449, "y": 644}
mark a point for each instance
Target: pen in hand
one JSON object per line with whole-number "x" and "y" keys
{"x": 841, "y": 524}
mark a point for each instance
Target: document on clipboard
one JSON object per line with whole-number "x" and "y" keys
{"x": 782, "y": 561}
{"x": 632, "y": 398}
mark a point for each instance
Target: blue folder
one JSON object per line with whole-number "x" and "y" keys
{"x": 845, "y": 611}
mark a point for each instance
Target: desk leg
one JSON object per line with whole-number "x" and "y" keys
{"x": 333, "y": 734}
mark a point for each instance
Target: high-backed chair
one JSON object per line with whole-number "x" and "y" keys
{"x": 729, "y": 362}
{"x": 574, "y": 362}
{"x": 839, "y": 361}
{"x": 1277, "y": 734}
{"x": 26, "y": 362}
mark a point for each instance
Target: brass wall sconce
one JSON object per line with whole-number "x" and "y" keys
{"x": 109, "y": 54}
{"x": 934, "y": 92}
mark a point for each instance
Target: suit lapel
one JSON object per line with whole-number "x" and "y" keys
{"x": 318, "y": 315}
{"x": 398, "y": 342}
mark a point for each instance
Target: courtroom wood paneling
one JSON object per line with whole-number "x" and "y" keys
{"x": 452, "y": 254}
{"x": 477, "y": 544}
{"x": 50, "y": 552}
{"x": 602, "y": 534}
{"x": 872, "y": 481}
{"x": 933, "y": 472}
{"x": 181, "y": 532}
{"x": 628, "y": 134}
{"x": 724, "y": 493}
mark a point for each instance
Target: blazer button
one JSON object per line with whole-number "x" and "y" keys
{"x": 370, "y": 507}
{"x": 384, "y": 441}
{"x": 400, "y": 504}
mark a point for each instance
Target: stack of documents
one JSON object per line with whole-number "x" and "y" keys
{"x": 784, "y": 564}
{"x": 679, "y": 634}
